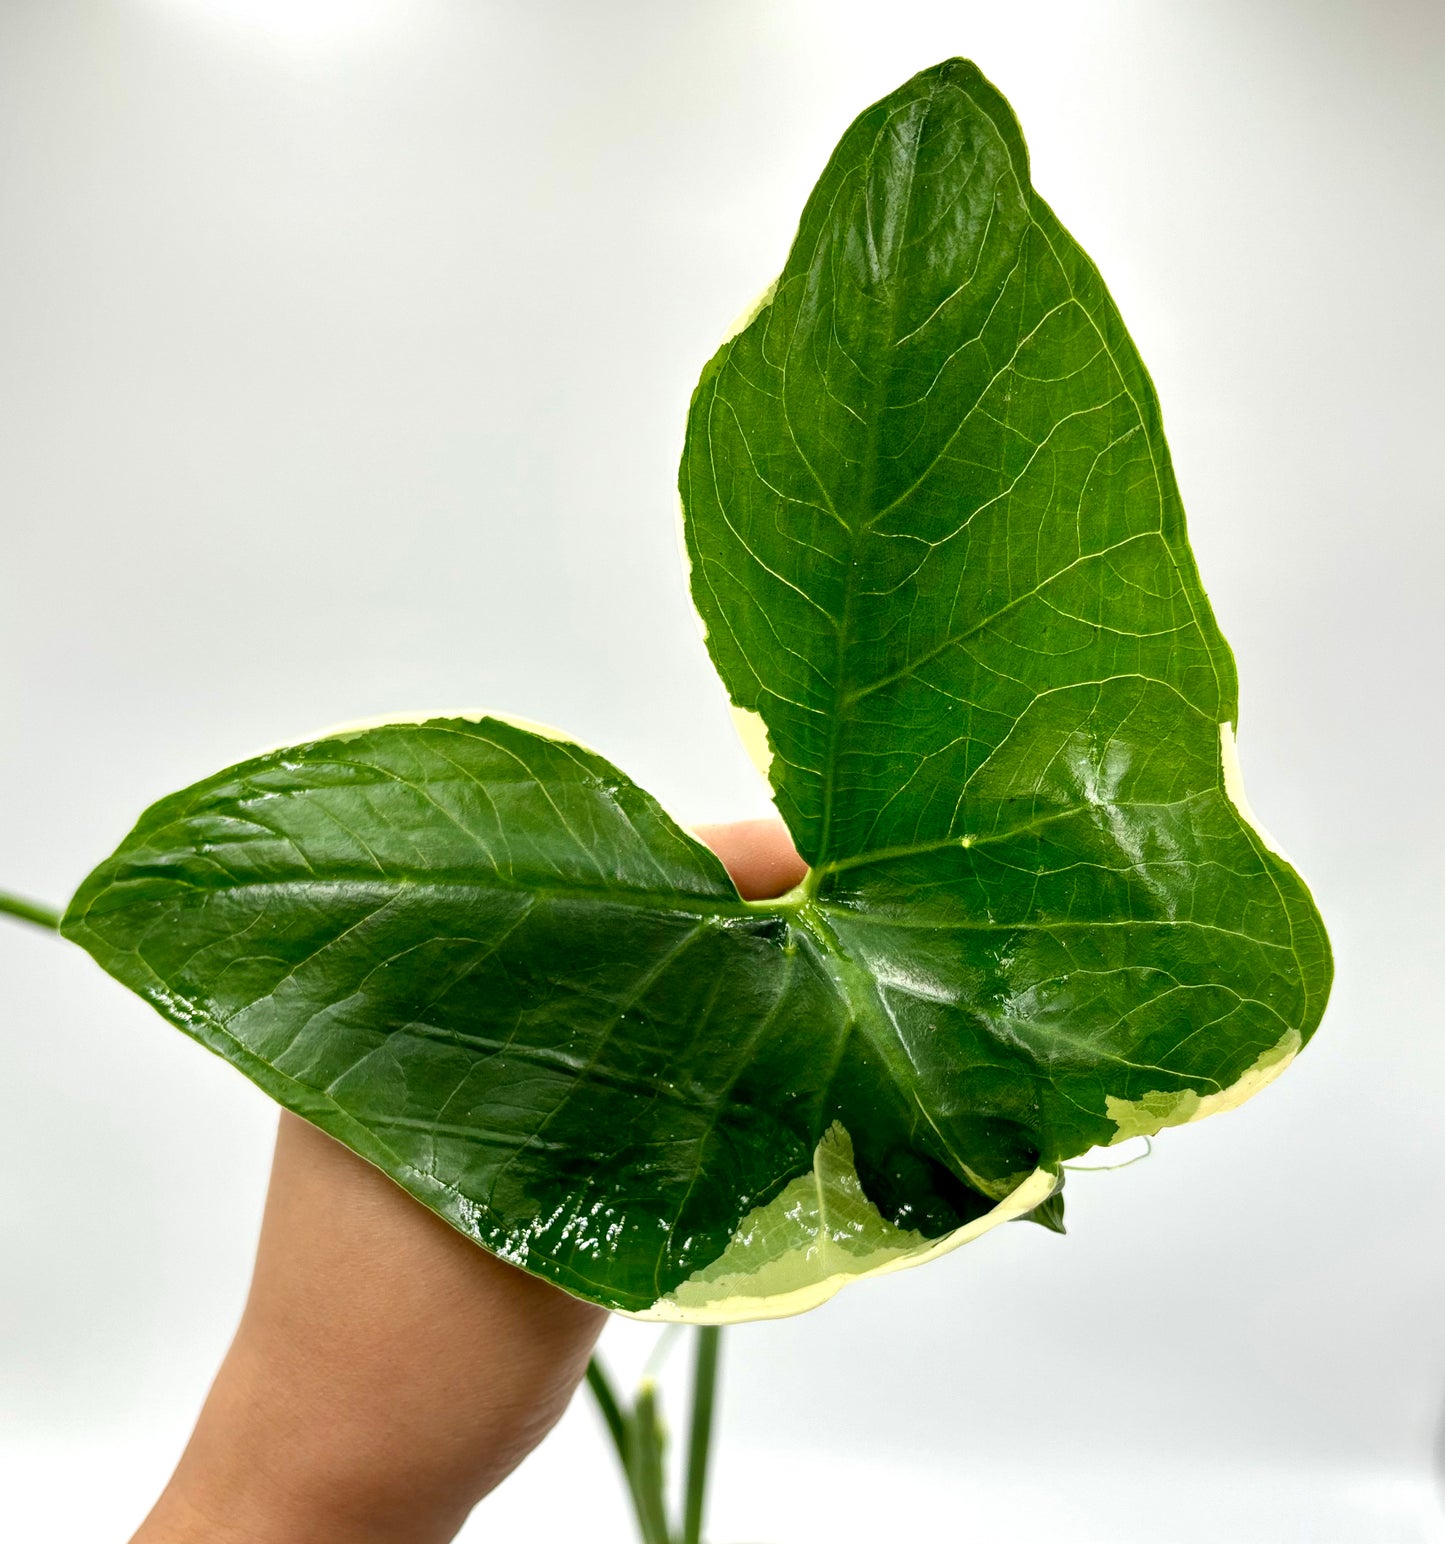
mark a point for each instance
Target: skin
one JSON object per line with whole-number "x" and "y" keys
{"x": 386, "y": 1373}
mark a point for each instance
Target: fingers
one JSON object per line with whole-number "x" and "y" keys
{"x": 759, "y": 854}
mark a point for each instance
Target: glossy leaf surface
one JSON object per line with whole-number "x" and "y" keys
{"x": 938, "y": 547}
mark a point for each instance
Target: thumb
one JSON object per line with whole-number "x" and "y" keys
{"x": 759, "y": 854}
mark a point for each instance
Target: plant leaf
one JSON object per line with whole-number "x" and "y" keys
{"x": 939, "y": 551}
{"x": 937, "y": 545}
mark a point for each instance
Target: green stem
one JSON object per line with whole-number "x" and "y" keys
{"x": 648, "y": 1471}
{"x": 28, "y": 911}
{"x": 622, "y": 1428}
{"x": 602, "y": 1392}
{"x": 699, "y": 1442}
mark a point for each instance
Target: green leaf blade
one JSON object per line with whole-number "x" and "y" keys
{"x": 937, "y": 544}
{"x": 1000, "y": 709}
{"x": 497, "y": 993}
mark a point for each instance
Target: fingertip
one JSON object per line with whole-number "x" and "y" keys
{"x": 759, "y": 854}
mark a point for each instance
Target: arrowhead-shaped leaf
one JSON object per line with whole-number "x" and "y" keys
{"x": 937, "y": 544}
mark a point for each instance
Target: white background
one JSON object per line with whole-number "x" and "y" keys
{"x": 344, "y": 352}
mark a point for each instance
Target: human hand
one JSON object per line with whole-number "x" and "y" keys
{"x": 387, "y": 1373}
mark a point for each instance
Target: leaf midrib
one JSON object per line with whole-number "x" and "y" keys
{"x": 660, "y": 901}
{"x": 859, "y": 532}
